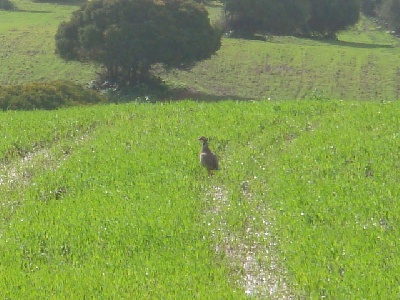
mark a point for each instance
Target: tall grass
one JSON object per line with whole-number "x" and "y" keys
{"x": 123, "y": 208}
{"x": 335, "y": 193}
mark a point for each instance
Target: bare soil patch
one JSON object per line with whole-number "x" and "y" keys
{"x": 260, "y": 273}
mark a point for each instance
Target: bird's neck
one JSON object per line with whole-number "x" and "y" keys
{"x": 205, "y": 146}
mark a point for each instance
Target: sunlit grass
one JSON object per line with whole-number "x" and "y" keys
{"x": 27, "y": 46}
{"x": 335, "y": 193}
{"x": 116, "y": 203}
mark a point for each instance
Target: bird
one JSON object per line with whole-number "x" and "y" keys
{"x": 207, "y": 158}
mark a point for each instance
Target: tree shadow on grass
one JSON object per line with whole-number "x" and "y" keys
{"x": 212, "y": 3}
{"x": 354, "y": 44}
{"x": 62, "y": 2}
{"x": 33, "y": 11}
{"x": 189, "y": 94}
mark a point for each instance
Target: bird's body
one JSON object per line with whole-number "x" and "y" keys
{"x": 207, "y": 158}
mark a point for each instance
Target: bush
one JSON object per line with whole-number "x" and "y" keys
{"x": 7, "y": 5}
{"x": 47, "y": 96}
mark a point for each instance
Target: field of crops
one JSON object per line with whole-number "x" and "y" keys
{"x": 110, "y": 201}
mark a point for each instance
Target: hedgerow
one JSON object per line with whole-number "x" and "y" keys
{"x": 47, "y": 96}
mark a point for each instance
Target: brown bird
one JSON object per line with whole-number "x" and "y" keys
{"x": 207, "y": 158}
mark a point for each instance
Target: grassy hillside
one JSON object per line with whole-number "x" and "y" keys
{"x": 27, "y": 45}
{"x": 111, "y": 201}
{"x": 362, "y": 65}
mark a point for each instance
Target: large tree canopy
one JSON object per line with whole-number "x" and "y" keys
{"x": 128, "y": 36}
{"x": 266, "y": 16}
{"x": 331, "y": 16}
{"x": 308, "y": 17}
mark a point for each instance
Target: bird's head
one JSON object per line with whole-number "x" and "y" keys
{"x": 203, "y": 139}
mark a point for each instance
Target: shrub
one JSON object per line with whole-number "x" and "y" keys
{"x": 47, "y": 96}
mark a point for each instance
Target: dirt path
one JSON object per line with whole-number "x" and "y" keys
{"x": 260, "y": 273}
{"x": 16, "y": 175}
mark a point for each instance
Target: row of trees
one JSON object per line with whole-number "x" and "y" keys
{"x": 323, "y": 18}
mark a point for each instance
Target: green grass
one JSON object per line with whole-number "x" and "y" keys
{"x": 336, "y": 194}
{"x": 111, "y": 201}
{"x": 126, "y": 222}
{"x": 27, "y": 47}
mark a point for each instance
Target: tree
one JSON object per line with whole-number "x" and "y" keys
{"x": 127, "y": 37}
{"x": 248, "y": 17}
{"x": 330, "y": 16}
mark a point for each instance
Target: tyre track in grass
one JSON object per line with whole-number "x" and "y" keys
{"x": 254, "y": 253}
{"x": 260, "y": 273}
{"x": 17, "y": 174}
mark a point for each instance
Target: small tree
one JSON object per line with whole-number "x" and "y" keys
{"x": 127, "y": 37}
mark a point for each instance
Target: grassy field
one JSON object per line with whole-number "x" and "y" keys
{"x": 362, "y": 64}
{"x": 96, "y": 214}
{"x": 110, "y": 201}
{"x": 27, "y": 47}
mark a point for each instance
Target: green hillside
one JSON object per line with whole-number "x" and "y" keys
{"x": 27, "y": 48}
{"x": 362, "y": 64}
